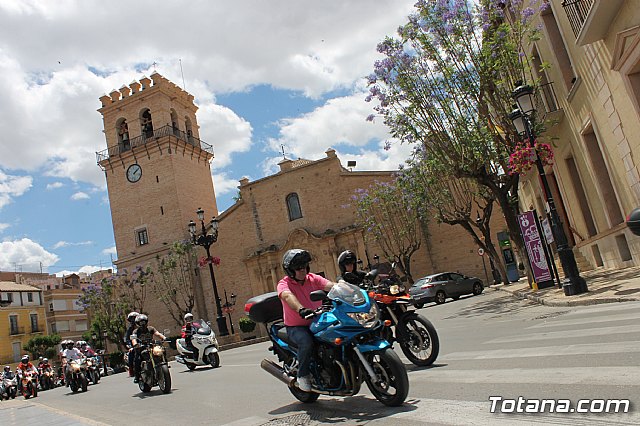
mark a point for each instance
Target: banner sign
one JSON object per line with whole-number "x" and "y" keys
{"x": 546, "y": 228}
{"x": 533, "y": 243}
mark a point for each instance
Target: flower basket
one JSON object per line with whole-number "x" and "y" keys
{"x": 523, "y": 158}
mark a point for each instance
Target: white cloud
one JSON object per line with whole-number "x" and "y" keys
{"x": 88, "y": 269}
{"x": 225, "y": 184}
{"x": 225, "y": 131}
{"x": 110, "y": 250}
{"x": 60, "y": 244}
{"x": 80, "y": 196}
{"x": 3, "y": 226}
{"x": 54, "y": 185}
{"x": 13, "y": 186}
{"x": 25, "y": 255}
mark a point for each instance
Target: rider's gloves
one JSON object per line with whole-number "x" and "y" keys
{"x": 305, "y": 313}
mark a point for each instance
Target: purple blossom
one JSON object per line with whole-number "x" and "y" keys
{"x": 370, "y": 117}
{"x": 387, "y": 145}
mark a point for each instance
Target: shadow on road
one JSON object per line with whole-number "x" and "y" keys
{"x": 360, "y": 409}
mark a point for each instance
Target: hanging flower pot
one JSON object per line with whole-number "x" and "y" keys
{"x": 523, "y": 158}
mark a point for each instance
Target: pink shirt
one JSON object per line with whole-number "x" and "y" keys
{"x": 302, "y": 292}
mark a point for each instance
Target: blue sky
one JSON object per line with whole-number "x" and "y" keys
{"x": 264, "y": 75}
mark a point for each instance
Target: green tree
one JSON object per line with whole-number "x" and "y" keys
{"x": 389, "y": 218}
{"x": 43, "y": 346}
{"x": 445, "y": 83}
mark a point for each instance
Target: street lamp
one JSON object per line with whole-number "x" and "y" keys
{"x": 228, "y": 307}
{"x": 205, "y": 239}
{"x": 484, "y": 265}
{"x": 522, "y": 118}
{"x": 104, "y": 351}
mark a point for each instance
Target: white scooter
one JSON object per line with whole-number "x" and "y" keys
{"x": 204, "y": 340}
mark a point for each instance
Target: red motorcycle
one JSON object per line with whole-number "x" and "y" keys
{"x": 416, "y": 335}
{"x": 29, "y": 384}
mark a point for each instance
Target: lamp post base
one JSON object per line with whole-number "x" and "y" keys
{"x": 222, "y": 326}
{"x": 574, "y": 286}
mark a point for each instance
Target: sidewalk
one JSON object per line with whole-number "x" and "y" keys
{"x": 605, "y": 286}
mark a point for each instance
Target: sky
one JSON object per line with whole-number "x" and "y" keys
{"x": 266, "y": 76}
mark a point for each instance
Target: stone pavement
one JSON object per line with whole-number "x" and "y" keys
{"x": 605, "y": 286}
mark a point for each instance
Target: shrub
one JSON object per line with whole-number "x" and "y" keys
{"x": 246, "y": 325}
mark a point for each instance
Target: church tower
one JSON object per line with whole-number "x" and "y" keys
{"x": 157, "y": 169}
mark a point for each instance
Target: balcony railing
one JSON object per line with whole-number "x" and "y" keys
{"x": 164, "y": 131}
{"x": 545, "y": 101}
{"x": 577, "y": 12}
{"x": 16, "y": 330}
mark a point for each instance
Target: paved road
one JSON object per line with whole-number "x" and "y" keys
{"x": 492, "y": 345}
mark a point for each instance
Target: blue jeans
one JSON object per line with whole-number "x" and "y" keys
{"x": 301, "y": 336}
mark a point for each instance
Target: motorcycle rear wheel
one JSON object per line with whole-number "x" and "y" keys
{"x": 164, "y": 379}
{"x": 302, "y": 396}
{"x": 96, "y": 377}
{"x": 418, "y": 339}
{"x": 190, "y": 366}
{"x": 391, "y": 386}
{"x": 74, "y": 385}
{"x": 214, "y": 359}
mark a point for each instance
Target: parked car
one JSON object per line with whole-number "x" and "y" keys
{"x": 438, "y": 287}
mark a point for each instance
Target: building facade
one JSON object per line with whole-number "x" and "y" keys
{"x": 22, "y": 317}
{"x": 591, "y": 97}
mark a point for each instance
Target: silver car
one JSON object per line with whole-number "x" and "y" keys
{"x": 438, "y": 287}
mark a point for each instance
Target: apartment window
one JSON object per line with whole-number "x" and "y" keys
{"x": 13, "y": 324}
{"x": 142, "y": 237}
{"x": 62, "y": 325}
{"x": 54, "y": 330}
{"x": 556, "y": 42}
{"x": 293, "y": 206}
{"x": 34, "y": 322}
{"x": 81, "y": 326}
{"x": 29, "y": 297}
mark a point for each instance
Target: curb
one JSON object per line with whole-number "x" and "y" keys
{"x": 585, "y": 302}
{"x": 243, "y": 343}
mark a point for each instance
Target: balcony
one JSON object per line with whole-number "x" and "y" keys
{"x": 15, "y": 331}
{"x": 143, "y": 140}
{"x": 546, "y": 101}
{"x": 590, "y": 19}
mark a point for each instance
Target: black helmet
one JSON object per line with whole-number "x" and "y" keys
{"x": 142, "y": 320}
{"x": 345, "y": 257}
{"x": 70, "y": 344}
{"x": 295, "y": 259}
{"x": 132, "y": 316}
{"x": 25, "y": 359}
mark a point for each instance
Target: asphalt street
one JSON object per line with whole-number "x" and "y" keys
{"x": 492, "y": 345}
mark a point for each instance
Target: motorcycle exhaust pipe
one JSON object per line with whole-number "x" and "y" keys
{"x": 276, "y": 371}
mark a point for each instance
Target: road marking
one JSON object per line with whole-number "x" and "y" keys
{"x": 567, "y": 334}
{"x": 578, "y": 349}
{"x": 613, "y": 376}
{"x": 590, "y": 320}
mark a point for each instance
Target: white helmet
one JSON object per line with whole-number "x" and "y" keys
{"x": 188, "y": 316}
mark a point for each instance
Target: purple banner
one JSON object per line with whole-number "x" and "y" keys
{"x": 533, "y": 243}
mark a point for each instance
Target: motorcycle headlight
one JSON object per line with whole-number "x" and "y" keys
{"x": 366, "y": 319}
{"x": 157, "y": 351}
{"x": 88, "y": 363}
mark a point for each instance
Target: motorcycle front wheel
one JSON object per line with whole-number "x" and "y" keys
{"x": 214, "y": 359}
{"x": 391, "y": 384}
{"x": 418, "y": 339}
{"x": 164, "y": 379}
{"x": 84, "y": 382}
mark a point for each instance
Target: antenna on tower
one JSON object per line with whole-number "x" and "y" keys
{"x": 282, "y": 147}
{"x": 184, "y": 86}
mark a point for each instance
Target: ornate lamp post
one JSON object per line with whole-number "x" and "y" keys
{"x": 523, "y": 119}
{"x": 206, "y": 238}
{"x": 228, "y": 308}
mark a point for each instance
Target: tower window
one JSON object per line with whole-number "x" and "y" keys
{"x": 142, "y": 236}
{"x": 293, "y": 205}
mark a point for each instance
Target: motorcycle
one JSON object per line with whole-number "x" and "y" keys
{"x": 9, "y": 386}
{"x": 154, "y": 370}
{"x": 47, "y": 378}
{"x": 204, "y": 340}
{"x": 93, "y": 374}
{"x": 348, "y": 349}
{"x": 77, "y": 375}
{"x": 29, "y": 384}
{"x": 416, "y": 335}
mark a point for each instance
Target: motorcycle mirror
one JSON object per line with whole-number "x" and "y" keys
{"x": 318, "y": 295}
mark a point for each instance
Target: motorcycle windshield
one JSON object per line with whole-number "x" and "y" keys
{"x": 347, "y": 293}
{"x": 204, "y": 328}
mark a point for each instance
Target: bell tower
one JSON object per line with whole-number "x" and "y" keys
{"x": 157, "y": 169}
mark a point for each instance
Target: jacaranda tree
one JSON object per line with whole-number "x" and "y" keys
{"x": 445, "y": 83}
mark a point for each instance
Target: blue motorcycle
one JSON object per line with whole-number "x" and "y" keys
{"x": 348, "y": 349}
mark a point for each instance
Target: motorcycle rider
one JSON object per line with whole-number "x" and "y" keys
{"x": 24, "y": 366}
{"x": 69, "y": 354}
{"x": 188, "y": 330}
{"x": 85, "y": 348}
{"x": 131, "y": 319}
{"x": 144, "y": 333}
{"x": 347, "y": 263}
{"x": 294, "y": 292}
{"x": 8, "y": 375}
